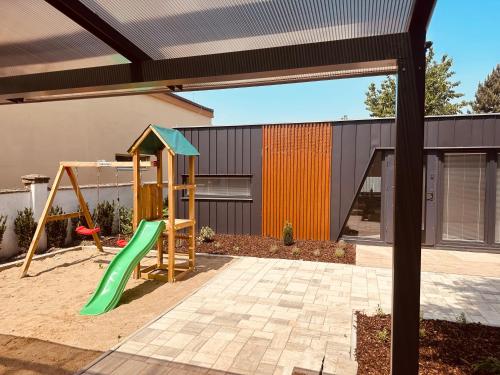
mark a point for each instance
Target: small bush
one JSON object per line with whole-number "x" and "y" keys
{"x": 461, "y": 318}
{"x": 295, "y": 251}
{"x": 288, "y": 234}
{"x": 342, "y": 245}
{"x": 3, "y": 226}
{"x": 104, "y": 216}
{"x": 206, "y": 234}
{"x": 383, "y": 335}
{"x": 236, "y": 249}
{"x": 339, "y": 253}
{"x": 56, "y": 230}
{"x": 317, "y": 253}
{"x": 273, "y": 249}
{"x": 488, "y": 365}
{"x": 379, "y": 311}
{"x": 421, "y": 332}
{"x": 125, "y": 220}
{"x": 217, "y": 245}
{"x": 24, "y": 228}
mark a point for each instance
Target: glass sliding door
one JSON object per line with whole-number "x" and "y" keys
{"x": 364, "y": 218}
{"x": 464, "y": 196}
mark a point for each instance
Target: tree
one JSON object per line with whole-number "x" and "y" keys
{"x": 488, "y": 93}
{"x": 440, "y": 94}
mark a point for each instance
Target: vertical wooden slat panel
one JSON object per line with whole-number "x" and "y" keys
{"x": 296, "y": 179}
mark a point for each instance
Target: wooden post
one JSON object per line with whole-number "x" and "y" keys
{"x": 192, "y": 216}
{"x": 136, "y": 160}
{"x": 41, "y": 223}
{"x": 171, "y": 217}
{"x": 83, "y": 205}
{"x": 159, "y": 182}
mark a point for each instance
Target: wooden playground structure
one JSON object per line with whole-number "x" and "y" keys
{"x": 147, "y": 201}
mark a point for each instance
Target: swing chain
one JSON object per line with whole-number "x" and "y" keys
{"x": 118, "y": 204}
{"x": 96, "y": 224}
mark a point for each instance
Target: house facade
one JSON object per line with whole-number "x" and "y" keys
{"x": 336, "y": 180}
{"x": 37, "y": 136}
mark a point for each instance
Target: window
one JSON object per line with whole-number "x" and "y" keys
{"x": 223, "y": 187}
{"x": 364, "y": 218}
{"x": 464, "y": 195}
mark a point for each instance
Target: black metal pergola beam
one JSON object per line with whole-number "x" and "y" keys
{"x": 359, "y": 53}
{"x": 408, "y": 179}
{"x": 90, "y": 21}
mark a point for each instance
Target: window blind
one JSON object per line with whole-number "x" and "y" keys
{"x": 223, "y": 187}
{"x": 464, "y": 195}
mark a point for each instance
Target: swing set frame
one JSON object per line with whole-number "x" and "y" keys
{"x": 68, "y": 167}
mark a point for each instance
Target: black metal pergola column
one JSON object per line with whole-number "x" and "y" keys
{"x": 408, "y": 207}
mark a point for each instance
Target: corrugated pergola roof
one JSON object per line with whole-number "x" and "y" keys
{"x": 63, "y": 49}
{"x": 137, "y": 46}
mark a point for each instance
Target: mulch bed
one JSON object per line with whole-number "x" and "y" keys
{"x": 445, "y": 347}
{"x": 254, "y": 246}
{"x": 267, "y": 247}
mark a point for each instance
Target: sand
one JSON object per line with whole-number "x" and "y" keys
{"x": 42, "y": 309}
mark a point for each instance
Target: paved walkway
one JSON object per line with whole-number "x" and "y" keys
{"x": 435, "y": 260}
{"x": 267, "y": 316}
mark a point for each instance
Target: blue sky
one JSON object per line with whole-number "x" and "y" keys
{"x": 467, "y": 31}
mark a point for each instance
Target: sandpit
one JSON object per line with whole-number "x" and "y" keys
{"x": 42, "y": 309}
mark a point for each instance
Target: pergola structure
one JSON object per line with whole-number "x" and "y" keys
{"x": 69, "y": 49}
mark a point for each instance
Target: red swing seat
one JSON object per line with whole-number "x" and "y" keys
{"x": 121, "y": 243}
{"x": 84, "y": 231}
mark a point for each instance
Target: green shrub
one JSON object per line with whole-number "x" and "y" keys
{"x": 421, "y": 332}
{"x": 461, "y": 318}
{"x": 217, "y": 245}
{"x": 56, "y": 230}
{"x": 383, "y": 335}
{"x": 24, "y": 228}
{"x": 339, "y": 252}
{"x": 488, "y": 365}
{"x": 125, "y": 220}
{"x": 342, "y": 245}
{"x": 206, "y": 234}
{"x": 379, "y": 311}
{"x": 273, "y": 249}
{"x": 103, "y": 216}
{"x": 295, "y": 251}
{"x": 236, "y": 249}
{"x": 3, "y": 226}
{"x": 317, "y": 253}
{"x": 288, "y": 234}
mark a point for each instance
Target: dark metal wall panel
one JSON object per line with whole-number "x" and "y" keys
{"x": 227, "y": 151}
{"x": 352, "y": 144}
{"x": 256, "y": 171}
{"x": 238, "y": 150}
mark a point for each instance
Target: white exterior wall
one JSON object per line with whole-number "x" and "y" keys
{"x": 13, "y": 201}
{"x": 37, "y": 136}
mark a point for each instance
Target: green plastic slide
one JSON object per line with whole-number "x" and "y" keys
{"x": 112, "y": 284}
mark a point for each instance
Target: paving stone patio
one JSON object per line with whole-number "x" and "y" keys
{"x": 267, "y": 316}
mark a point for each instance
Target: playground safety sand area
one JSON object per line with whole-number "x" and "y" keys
{"x": 41, "y": 330}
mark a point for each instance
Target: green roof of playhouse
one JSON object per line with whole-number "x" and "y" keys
{"x": 156, "y": 138}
